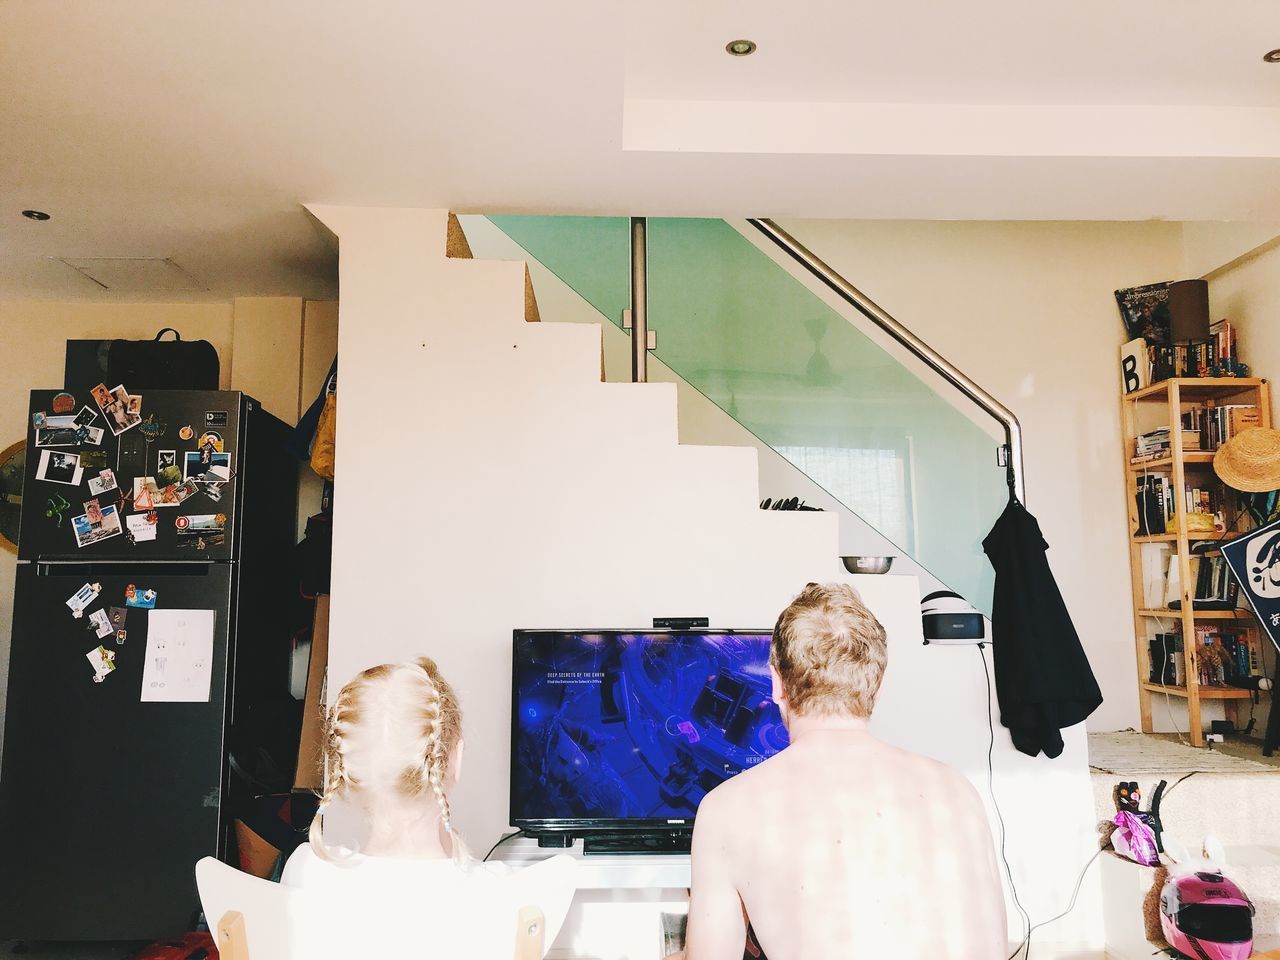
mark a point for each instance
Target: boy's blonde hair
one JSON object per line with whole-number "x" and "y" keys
{"x": 391, "y": 731}
{"x": 830, "y": 652}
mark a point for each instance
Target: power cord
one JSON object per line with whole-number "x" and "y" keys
{"x": 991, "y": 789}
{"x": 501, "y": 840}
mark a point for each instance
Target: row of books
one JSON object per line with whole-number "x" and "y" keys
{"x": 1155, "y": 504}
{"x": 1202, "y": 507}
{"x": 1239, "y": 647}
{"x": 1199, "y": 358}
{"x": 1224, "y": 656}
{"x": 1213, "y": 425}
{"x": 1151, "y": 445}
{"x": 1216, "y": 587}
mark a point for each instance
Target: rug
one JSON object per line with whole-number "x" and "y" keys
{"x": 1133, "y": 754}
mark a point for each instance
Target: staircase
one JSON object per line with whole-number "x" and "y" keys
{"x": 487, "y": 480}
{"x": 908, "y": 462}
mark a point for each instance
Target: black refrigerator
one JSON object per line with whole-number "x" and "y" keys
{"x": 167, "y": 524}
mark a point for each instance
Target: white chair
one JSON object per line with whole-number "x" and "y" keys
{"x": 256, "y": 919}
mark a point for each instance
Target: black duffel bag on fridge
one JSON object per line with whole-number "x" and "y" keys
{"x": 156, "y": 364}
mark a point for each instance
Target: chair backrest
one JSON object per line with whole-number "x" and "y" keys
{"x": 265, "y": 909}
{"x": 256, "y": 919}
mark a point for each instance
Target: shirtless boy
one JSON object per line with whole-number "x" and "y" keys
{"x": 841, "y": 845}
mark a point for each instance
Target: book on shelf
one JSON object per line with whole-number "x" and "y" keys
{"x": 1155, "y": 504}
{"x": 1165, "y": 660}
{"x": 1215, "y": 424}
{"x": 1215, "y": 587}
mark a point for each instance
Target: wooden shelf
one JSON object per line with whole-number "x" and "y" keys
{"x": 1237, "y": 614}
{"x": 1206, "y": 693}
{"x": 1191, "y": 536}
{"x": 1189, "y": 458}
{"x": 1197, "y": 388}
{"x": 1184, "y": 469}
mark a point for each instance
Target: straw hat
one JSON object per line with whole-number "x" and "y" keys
{"x": 1250, "y": 461}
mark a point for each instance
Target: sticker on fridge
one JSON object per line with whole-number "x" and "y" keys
{"x": 179, "y": 659}
{"x": 139, "y": 597}
{"x": 87, "y": 532}
{"x": 58, "y": 467}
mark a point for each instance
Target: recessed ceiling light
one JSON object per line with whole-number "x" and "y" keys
{"x": 1272, "y": 56}
{"x": 740, "y": 48}
{"x": 35, "y": 214}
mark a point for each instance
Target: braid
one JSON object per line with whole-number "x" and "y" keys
{"x": 436, "y": 761}
{"x": 336, "y": 778}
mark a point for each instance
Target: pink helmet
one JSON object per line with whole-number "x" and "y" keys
{"x": 1205, "y": 916}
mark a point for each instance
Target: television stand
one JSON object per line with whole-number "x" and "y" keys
{"x": 666, "y": 842}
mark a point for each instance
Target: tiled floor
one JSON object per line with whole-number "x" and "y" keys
{"x": 1237, "y": 746}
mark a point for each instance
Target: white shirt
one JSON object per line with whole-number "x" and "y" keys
{"x": 428, "y": 908}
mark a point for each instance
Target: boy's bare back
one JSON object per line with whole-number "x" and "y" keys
{"x": 843, "y": 846}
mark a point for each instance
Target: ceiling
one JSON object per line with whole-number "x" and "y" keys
{"x": 194, "y": 131}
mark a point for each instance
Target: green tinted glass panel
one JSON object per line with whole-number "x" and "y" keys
{"x": 801, "y": 377}
{"x": 590, "y": 254}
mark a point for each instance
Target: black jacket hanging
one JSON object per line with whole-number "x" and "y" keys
{"x": 1043, "y": 679}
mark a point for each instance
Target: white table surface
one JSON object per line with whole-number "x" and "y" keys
{"x": 610, "y": 871}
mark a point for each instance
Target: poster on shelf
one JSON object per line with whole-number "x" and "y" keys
{"x": 1254, "y": 558}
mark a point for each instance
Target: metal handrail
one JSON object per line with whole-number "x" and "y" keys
{"x": 1012, "y": 451}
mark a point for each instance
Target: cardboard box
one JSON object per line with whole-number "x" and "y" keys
{"x": 310, "y": 770}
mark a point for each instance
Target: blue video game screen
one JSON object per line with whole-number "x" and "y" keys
{"x": 635, "y": 725}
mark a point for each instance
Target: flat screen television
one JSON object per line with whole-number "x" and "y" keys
{"x": 621, "y": 733}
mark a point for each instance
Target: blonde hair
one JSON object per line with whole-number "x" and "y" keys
{"x": 829, "y": 651}
{"x": 392, "y": 730}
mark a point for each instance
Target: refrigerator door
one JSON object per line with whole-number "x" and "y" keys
{"x": 107, "y": 802}
{"x": 165, "y": 444}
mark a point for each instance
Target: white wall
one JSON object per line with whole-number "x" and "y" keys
{"x": 486, "y": 482}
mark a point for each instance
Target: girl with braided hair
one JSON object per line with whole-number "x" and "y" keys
{"x": 393, "y": 750}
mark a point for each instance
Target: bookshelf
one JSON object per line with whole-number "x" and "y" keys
{"x": 1153, "y": 407}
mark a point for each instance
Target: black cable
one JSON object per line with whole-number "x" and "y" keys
{"x": 991, "y": 789}
{"x": 501, "y": 841}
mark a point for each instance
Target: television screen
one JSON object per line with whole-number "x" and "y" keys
{"x": 629, "y": 726}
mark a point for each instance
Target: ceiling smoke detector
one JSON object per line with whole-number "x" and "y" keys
{"x": 740, "y": 48}
{"x": 1272, "y": 56}
{"x": 36, "y": 215}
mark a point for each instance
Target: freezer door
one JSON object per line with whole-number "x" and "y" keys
{"x": 64, "y": 473}
{"x": 106, "y": 802}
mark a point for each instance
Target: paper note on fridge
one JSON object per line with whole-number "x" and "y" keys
{"x": 179, "y": 658}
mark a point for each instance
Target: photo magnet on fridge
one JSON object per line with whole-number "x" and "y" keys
{"x": 114, "y": 404}
{"x": 85, "y": 417}
{"x": 57, "y": 466}
{"x": 104, "y": 481}
{"x": 87, "y": 532}
{"x": 38, "y": 420}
